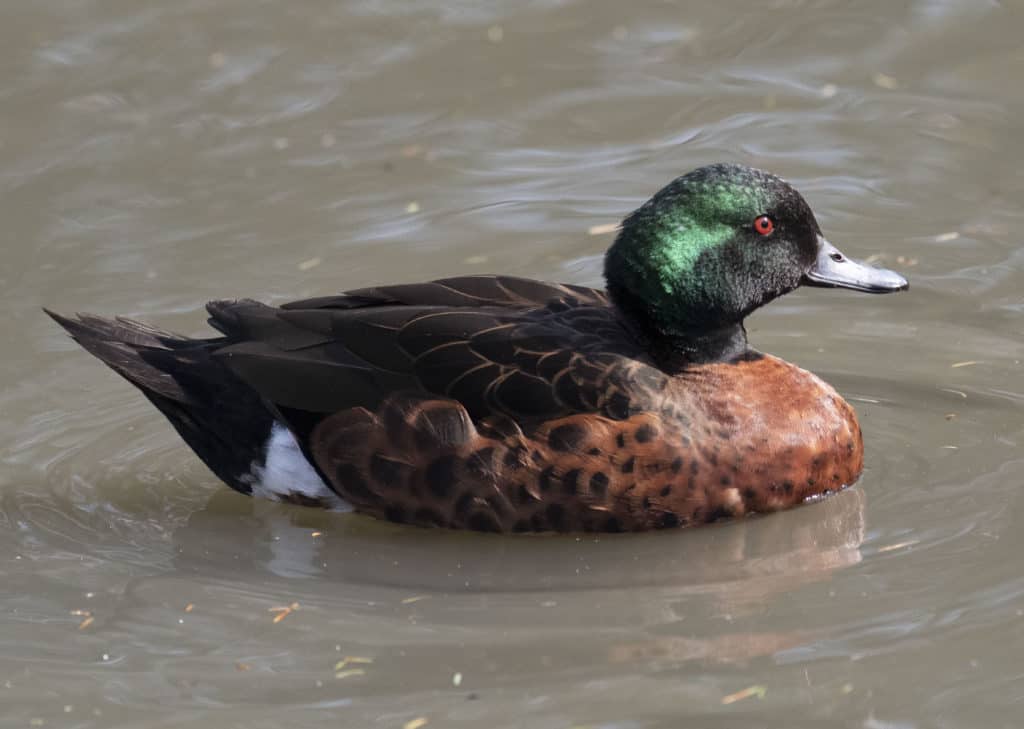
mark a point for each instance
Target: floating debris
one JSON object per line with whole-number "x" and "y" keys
{"x": 950, "y": 416}
{"x": 966, "y": 363}
{"x": 411, "y": 151}
{"x": 316, "y": 534}
{"x": 415, "y": 598}
{"x": 239, "y": 666}
{"x": 758, "y": 691}
{"x": 87, "y": 618}
{"x": 898, "y": 545}
{"x": 419, "y": 721}
{"x": 476, "y": 260}
{"x": 457, "y": 680}
{"x": 946, "y": 237}
{"x": 352, "y": 660}
{"x": 281, "y": 143}
{"x": 349, "y": 672}
{"x": 829, "y": 90}
{"x": 189, "y": 608}
{"x": 604, "y": 228}
{"x": 310, "y": 263}
{"x": 886, "y": 82}
{"x": 283, "y": 612}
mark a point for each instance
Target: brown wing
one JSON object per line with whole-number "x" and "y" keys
{"x": 497, "y": 345}
{"x": 464, "y": 291}
{"x": 429, "y": 402}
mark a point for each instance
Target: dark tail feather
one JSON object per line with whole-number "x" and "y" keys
{"x": 220, "y": 417}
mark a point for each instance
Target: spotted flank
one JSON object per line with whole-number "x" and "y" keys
{"x": 504, "y": 404}
{"x": 425, "y": 462}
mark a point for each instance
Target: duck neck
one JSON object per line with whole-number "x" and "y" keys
{"x": 725, "y": 344}
{"x": 675, "y": 347}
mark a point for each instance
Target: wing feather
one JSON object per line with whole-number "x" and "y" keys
{"x": 500, "y": 345}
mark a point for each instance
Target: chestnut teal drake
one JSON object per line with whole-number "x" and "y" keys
{"x": 503, "y": 404}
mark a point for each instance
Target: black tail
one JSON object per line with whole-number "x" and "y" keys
{"x": 221, "y": 418}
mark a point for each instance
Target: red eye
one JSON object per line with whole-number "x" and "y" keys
{"x": 764, "y": 225}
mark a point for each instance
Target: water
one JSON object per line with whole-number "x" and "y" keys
{"x": 157, "y": 155}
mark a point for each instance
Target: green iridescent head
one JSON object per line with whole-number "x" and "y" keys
{"x": 717, "y": 243}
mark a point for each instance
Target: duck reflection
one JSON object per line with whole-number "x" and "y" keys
{"x": 660, "y": 598}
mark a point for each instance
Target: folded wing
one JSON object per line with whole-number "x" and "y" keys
{"x": 496, "y": 344}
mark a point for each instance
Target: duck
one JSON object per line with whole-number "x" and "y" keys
{"x": 503, "y": 404}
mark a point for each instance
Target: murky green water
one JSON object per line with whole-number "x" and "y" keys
{"x": 156, "y": 155}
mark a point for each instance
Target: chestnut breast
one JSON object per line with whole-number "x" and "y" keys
{"x": 766, "y": 433}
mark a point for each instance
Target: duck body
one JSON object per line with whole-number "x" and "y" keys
{"x": 497, "y": 403}
{"x": 717, "y": 445}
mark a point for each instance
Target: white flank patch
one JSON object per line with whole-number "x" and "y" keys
{"x": 286, "y": 471}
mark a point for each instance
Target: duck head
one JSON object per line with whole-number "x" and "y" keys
{"x": 714, "y": 245}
